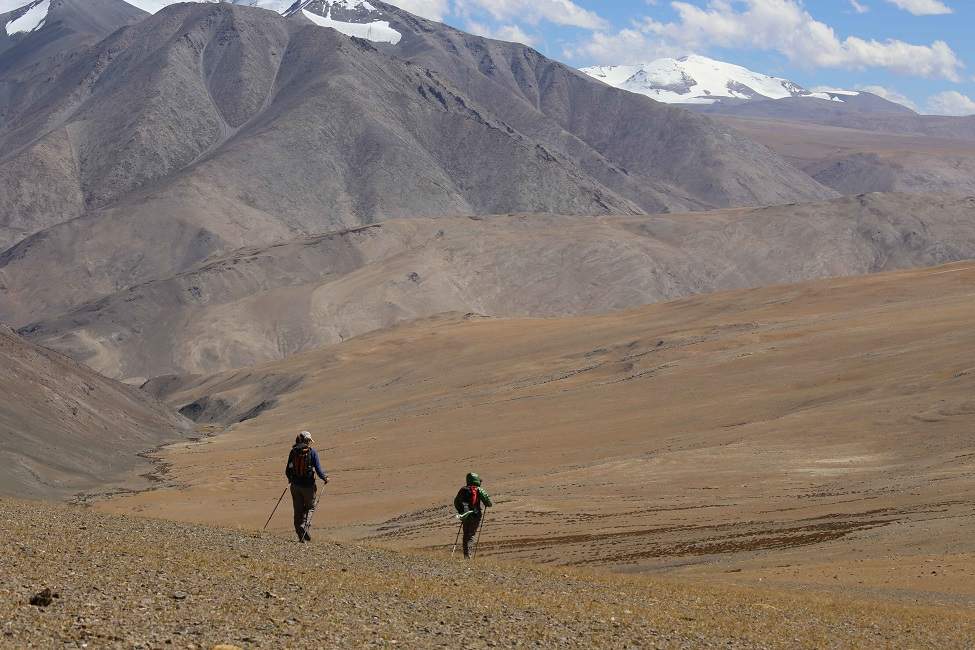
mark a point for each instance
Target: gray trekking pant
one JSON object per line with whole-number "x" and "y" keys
{"x": 303, "y": 499}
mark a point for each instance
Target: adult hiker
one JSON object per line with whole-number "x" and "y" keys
{"x": 470, "y": 503}
{"x": 303, "y": 465}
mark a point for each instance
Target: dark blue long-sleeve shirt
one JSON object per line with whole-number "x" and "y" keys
{"x": 308, "y": 481}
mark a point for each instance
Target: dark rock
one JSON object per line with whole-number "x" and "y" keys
{"x": 43, "y": 598}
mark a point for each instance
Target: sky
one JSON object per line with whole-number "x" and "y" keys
{"x": 918, "y": 52}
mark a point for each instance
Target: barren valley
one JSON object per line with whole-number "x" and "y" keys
{"x": 813, "y": 434}
{"x": 712, "y": 355}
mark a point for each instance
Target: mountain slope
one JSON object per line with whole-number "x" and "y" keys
{"x": 208, "y": 127}
{"x": 209, "y": 587}
{"x": 865, "y": 112}
{"x": 606, "y": 129}
{"x": 48, "y": 30}
{"x": 39, "y": 185}
{"x": 64, "y": 428}
{"x": 272, "y": 156}
{"x": 854, "y": 161}
{"x": 260, "y": 304}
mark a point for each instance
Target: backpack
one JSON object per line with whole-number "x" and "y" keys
{"x": 300, "y": 466}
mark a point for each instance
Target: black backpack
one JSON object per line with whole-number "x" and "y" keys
{"x": 300, "y": 466}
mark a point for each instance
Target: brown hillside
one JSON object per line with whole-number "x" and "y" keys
{"x": 815, "y": 426}
{"x": 65, "y": 428}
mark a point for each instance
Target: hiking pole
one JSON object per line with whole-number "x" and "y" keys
{"x": 460, "y": 529}
{"x": 457, "y": 539}
{"x": 276, "y": 507}
{"x": 477, "y": 543}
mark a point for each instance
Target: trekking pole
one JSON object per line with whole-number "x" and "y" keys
{"x": 276, "y": 507}
{"x": 457, "y": 539}
{"x": 477, "y": 543}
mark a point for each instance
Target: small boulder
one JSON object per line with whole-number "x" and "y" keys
{"x": 43, "y": 598}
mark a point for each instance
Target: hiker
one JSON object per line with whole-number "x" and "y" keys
{"x": 469, "y": 502}
{"x": 303, "y": 464}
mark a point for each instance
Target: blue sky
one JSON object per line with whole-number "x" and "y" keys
{"x": 920, "y": 52}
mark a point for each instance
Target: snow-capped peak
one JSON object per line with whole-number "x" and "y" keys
{"x": 357, "y": 18}
{"x": 700, "y": 80}
{"x": 25, "y": 18}
{"x": 351, "y": 17}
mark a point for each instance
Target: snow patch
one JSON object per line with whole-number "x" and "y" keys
{"x": 378, "y": 31}
{"x": 700, "y": 80}
{"x": 30, "y": 20}
{"x": 352, "y": 5}
{"x": 279, "y": 6}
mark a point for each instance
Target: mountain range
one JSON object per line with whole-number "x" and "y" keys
{"x": 650, "y": 304}
{"x": 208, "y": 127}
{"x": 718, "y": 87}
{"x": 698, "y": 79}
{"x": 851, "y": 141}
{"x": 196, "y": 190}
{"x": 215, "y": 185}
{"x": 143, "y": 155}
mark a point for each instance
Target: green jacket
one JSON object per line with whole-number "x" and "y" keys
{"x": 464, "y": 501}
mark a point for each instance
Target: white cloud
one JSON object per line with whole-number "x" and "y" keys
{"x": 923, "y": 7}
{"x": 951, "y": 102}
{"x": 152, "y": 6}
{"x": 859, "y": 7}
{"x": 623, "y": 47}
{"x": 512, "y": 33}
{"x": 890, "y": 95}
{"x": 560, "y": 12}
{"x": 783, "y": 26}
{"x": 432, "y": 9}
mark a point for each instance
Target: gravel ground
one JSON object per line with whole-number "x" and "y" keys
{"x": 125, "y": 582}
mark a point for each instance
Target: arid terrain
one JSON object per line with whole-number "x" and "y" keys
{"x": 814, "y": 434}
{"x": 713, "y": 362}
{"x": 262, "y": 304}
{"x": 124, "y": 582}
{"x": 66, "y": 429}
{"x": 853, "y": 161}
